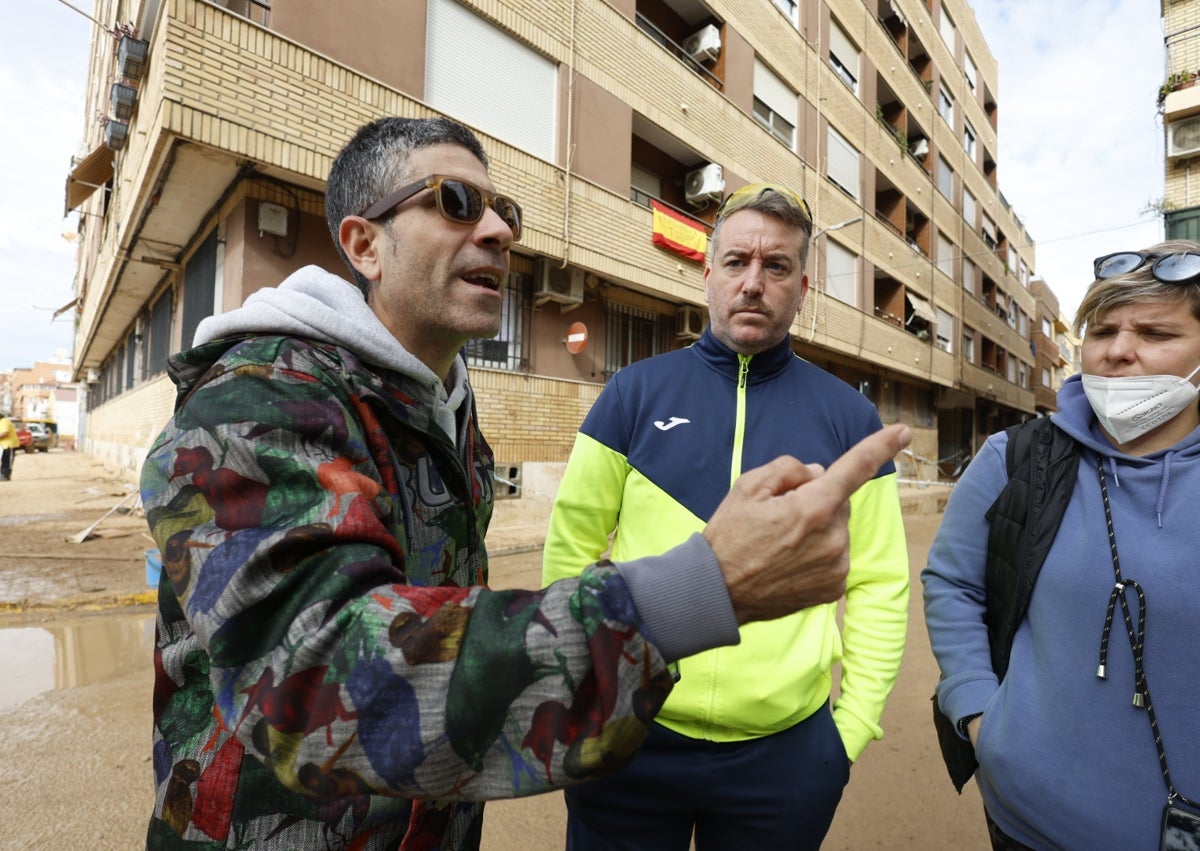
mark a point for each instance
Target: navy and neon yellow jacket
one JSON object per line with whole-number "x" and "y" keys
{"x": 655, "y": 456}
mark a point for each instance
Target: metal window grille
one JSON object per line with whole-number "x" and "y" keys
{"x": 507, "y": 349}
{"x": 130, "y": 359}
{"x": 159, "y": 345}
{"x": 199, "y": 287}
{"x": 632, "y": 335}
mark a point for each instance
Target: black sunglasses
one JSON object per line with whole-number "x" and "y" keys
{"x": 1182, "y": 267}
{"x": 457, "y": 200}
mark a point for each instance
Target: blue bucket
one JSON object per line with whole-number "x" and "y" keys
{"x": 153, "y": 567}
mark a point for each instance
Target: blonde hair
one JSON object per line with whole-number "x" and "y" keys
{"x": 1139, "y": 287}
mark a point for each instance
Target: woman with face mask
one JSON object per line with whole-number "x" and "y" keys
{"x": 1088, "y": 738}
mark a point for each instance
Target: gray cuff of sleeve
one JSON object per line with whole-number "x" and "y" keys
{"x": 682, "y": 599}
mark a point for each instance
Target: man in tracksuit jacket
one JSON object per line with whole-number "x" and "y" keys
{"x": 746, "y": 751}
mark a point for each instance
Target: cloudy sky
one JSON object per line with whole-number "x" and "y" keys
{"x": 1080, "y": 146}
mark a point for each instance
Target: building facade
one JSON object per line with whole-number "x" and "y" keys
{"x": 619, "y": 125}
{"x": 1179, "y": 100}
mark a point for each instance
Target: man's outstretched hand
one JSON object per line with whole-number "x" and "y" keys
{"x": 781, "y": 536}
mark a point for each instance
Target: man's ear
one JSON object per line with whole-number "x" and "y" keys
{"x": 361, "y": 239}
{"x": 803, "y": 293}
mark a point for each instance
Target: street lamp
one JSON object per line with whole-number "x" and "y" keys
{"x": 838, "y": 226}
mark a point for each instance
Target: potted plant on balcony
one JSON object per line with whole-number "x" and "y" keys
{"x": 1174, "y": 82}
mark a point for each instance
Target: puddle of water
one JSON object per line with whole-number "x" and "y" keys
{"x": 35, "y": 660}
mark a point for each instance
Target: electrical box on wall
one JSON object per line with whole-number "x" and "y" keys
{"x": 272, "y": 219}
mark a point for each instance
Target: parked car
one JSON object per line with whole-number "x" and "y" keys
{"x": 23, "y": 435}
{"x": 45, "y": 434}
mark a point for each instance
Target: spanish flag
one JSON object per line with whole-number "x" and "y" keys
{"x": 679, "y": 233}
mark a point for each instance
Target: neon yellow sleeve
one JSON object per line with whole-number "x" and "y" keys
{"x": 586, "y": 509}
{"x": 876, "y": 617}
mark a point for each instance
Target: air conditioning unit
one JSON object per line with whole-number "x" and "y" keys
{"x": 1183, "y": 137}
{"x": 116, "y": 134}
{"x": 689, "y": 322}
{"x": 92, "y": 376}
{"x": 550, "y": 283}
{"x": 919, "y": 148}
{"x": 704, "y": 184}
{"x": 703, "y": 45}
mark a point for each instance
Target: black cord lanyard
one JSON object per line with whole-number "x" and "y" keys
{"x": 1137, "y": 642}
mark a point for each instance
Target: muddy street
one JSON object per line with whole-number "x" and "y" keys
{"x": 76, "y": 634}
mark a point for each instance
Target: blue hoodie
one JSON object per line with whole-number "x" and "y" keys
{"x": 1066, "y": 761}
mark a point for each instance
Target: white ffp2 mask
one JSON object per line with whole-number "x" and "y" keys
{"x": 1129, "y": 406}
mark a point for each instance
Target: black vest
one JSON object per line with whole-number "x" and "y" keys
{"x": 1043, "y": 463}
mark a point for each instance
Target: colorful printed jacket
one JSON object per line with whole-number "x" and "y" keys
{"x": 329, "y": 672}
{"x": 660, "y": 449}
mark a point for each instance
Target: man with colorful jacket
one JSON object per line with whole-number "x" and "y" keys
{"x": 745, "y": 752}
{"x": 330, "y": 671}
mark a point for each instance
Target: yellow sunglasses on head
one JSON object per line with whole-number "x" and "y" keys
{"x": 751, "y": 192}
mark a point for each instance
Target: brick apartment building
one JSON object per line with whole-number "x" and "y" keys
{"x": 1179, "y": 100}
{"x": 205, "y": 184}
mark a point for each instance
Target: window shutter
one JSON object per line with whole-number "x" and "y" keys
{"x": 484, "y": 77}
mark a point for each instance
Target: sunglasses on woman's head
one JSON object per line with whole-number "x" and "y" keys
{"x": 1180, "y": 267}
{"x": 457, "y": 200}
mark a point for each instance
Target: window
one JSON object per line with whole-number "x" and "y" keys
{"x": 989, "y": 232}
{"x": 969, "y": 70}
{"x": 1011, "y": 369}
{"x": 1047, "y": 331}
{"x": 199, "y": 287}
{"x": 970, "y": 275}
{"x": 1012, "y": 259}
{"x": 462, "y": 54}
{"x": 633, "y": 334}
{"x": 159, "y": 344}
{"x": 1022, "y": 374}
{"x": 506, "y": 349}
{"x": 1022, "y": 320}
{"x": 841, "y": 273}
{"x": 643, "y": 185}
{"x": 774, "y": 105}
{"x": 968, "y": 347}
{"x": 946, "y": 105}
{"x": 1045, "y": 377}
{"x": 945, "y": 254}
{"x": 1013, "y": 312}
{"x": 790, "y": 8}
{"x": 842, "y": 163}
{"x": 945, "y": 177}
{"x": 130, "y": 359}
{"x": 969, "y": 208}
{"x": 843, "y": 55}
{"x": 1023, "y": 274}
{"x": 947, "y": 29}
{"x": 256, "y": 10}
{"x": 969, "y": 139}
{"x": 945, "y": 330}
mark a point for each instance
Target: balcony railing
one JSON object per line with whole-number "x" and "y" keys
{"x": 646, "y": 26}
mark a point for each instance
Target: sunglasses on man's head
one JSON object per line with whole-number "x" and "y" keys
{"x": 750, "y": 193}
{"x": 457, "y": 200}
{"x": 1181, "y": 267}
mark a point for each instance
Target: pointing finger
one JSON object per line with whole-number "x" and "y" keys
{"x": 858, "y": 465}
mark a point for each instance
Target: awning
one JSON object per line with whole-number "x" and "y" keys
{"x": 921, "y": 308}
{"x": 87, "y": 175}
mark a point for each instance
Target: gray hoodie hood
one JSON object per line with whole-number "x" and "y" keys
{"x": 316, "y": 305}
